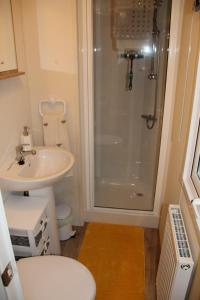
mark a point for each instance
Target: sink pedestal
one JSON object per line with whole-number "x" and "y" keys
{"x": 48, "y": 193}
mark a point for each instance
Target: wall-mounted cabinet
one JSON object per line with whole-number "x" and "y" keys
{"x": 8, "y": 57}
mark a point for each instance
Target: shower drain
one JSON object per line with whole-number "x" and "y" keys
{"x": 139, "y": 194}
{"x": 134, "y": 194}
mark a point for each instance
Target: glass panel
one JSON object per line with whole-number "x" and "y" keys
{"x": 195, "y": 172}
{"x": 130, "y": 63}
{"x": 198, "y": 169}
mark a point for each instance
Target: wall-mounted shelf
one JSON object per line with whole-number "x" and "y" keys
{"x": 9, "y": 74}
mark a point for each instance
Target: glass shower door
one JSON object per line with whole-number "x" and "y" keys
{"x": 130, "y": 64}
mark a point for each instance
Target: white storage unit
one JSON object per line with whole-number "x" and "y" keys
{"x": 28, "y": 225}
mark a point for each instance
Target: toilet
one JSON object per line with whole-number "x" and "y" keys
{"x": 55, "y": 278}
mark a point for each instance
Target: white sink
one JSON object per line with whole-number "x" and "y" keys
{"x": 46, "y": 167}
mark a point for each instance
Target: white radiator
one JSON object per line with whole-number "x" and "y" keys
{"x": 176, "y": 263}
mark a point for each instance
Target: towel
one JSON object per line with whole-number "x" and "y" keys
{"x": 56, "y": 131}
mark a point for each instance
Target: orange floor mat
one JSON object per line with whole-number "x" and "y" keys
{"x": 115, "y": 256}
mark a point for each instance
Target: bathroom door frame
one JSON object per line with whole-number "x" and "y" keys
{"x": 13, "y": 291}
{"x": 86, "y": 91}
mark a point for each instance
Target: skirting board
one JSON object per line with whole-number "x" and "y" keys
{"x": 146, "y": 219}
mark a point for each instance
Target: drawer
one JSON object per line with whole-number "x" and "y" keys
{"x": 19, "y": 237}
{"x": 18, "y": 240}
{"x": 45, "y": 236}
{"x": 46, "y": 247}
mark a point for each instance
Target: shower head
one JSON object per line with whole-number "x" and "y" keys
{"x": 158, "y": 2}
{"x": 133, "y": 19}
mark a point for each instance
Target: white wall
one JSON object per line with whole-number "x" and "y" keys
{"x": 50, "y": 36}
{"x": 14, "y": 114}
{"x": 46, "y": 42}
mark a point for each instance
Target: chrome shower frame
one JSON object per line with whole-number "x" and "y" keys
{"x": 155, "y": 62}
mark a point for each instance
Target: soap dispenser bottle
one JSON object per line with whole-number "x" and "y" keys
{"x": 26, "y": 139}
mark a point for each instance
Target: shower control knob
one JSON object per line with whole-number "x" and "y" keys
{"x": 150, "y": 120}
{"x": 152, "y": 76}
{"x": 149, "y": 117}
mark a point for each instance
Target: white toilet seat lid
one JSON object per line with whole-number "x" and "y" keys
{"x": 55, "y": 278}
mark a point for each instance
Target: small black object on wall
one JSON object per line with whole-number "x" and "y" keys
{"x": 197, "y": 5}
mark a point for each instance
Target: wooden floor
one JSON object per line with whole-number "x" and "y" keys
{"x": 152, "y": 253}
{"x": 71, "y": 249}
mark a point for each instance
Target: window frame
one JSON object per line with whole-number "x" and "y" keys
{"x": 191, "y": 182}
{"x": 196, "y": 5}
{"x": 196, "y": 162}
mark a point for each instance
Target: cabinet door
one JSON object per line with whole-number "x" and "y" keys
{"x": 8, "y": 59}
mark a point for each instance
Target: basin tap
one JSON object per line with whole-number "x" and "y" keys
{"x": 21, "y": 154}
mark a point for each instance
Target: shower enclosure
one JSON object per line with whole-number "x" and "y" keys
{"x": 130, "y": 54}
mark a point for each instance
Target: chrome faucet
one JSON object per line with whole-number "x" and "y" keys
{"x": 21, "y": 154}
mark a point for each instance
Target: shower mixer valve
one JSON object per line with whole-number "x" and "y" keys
{"x": 152, "y": 76}
{"x": 132, "y": 54}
